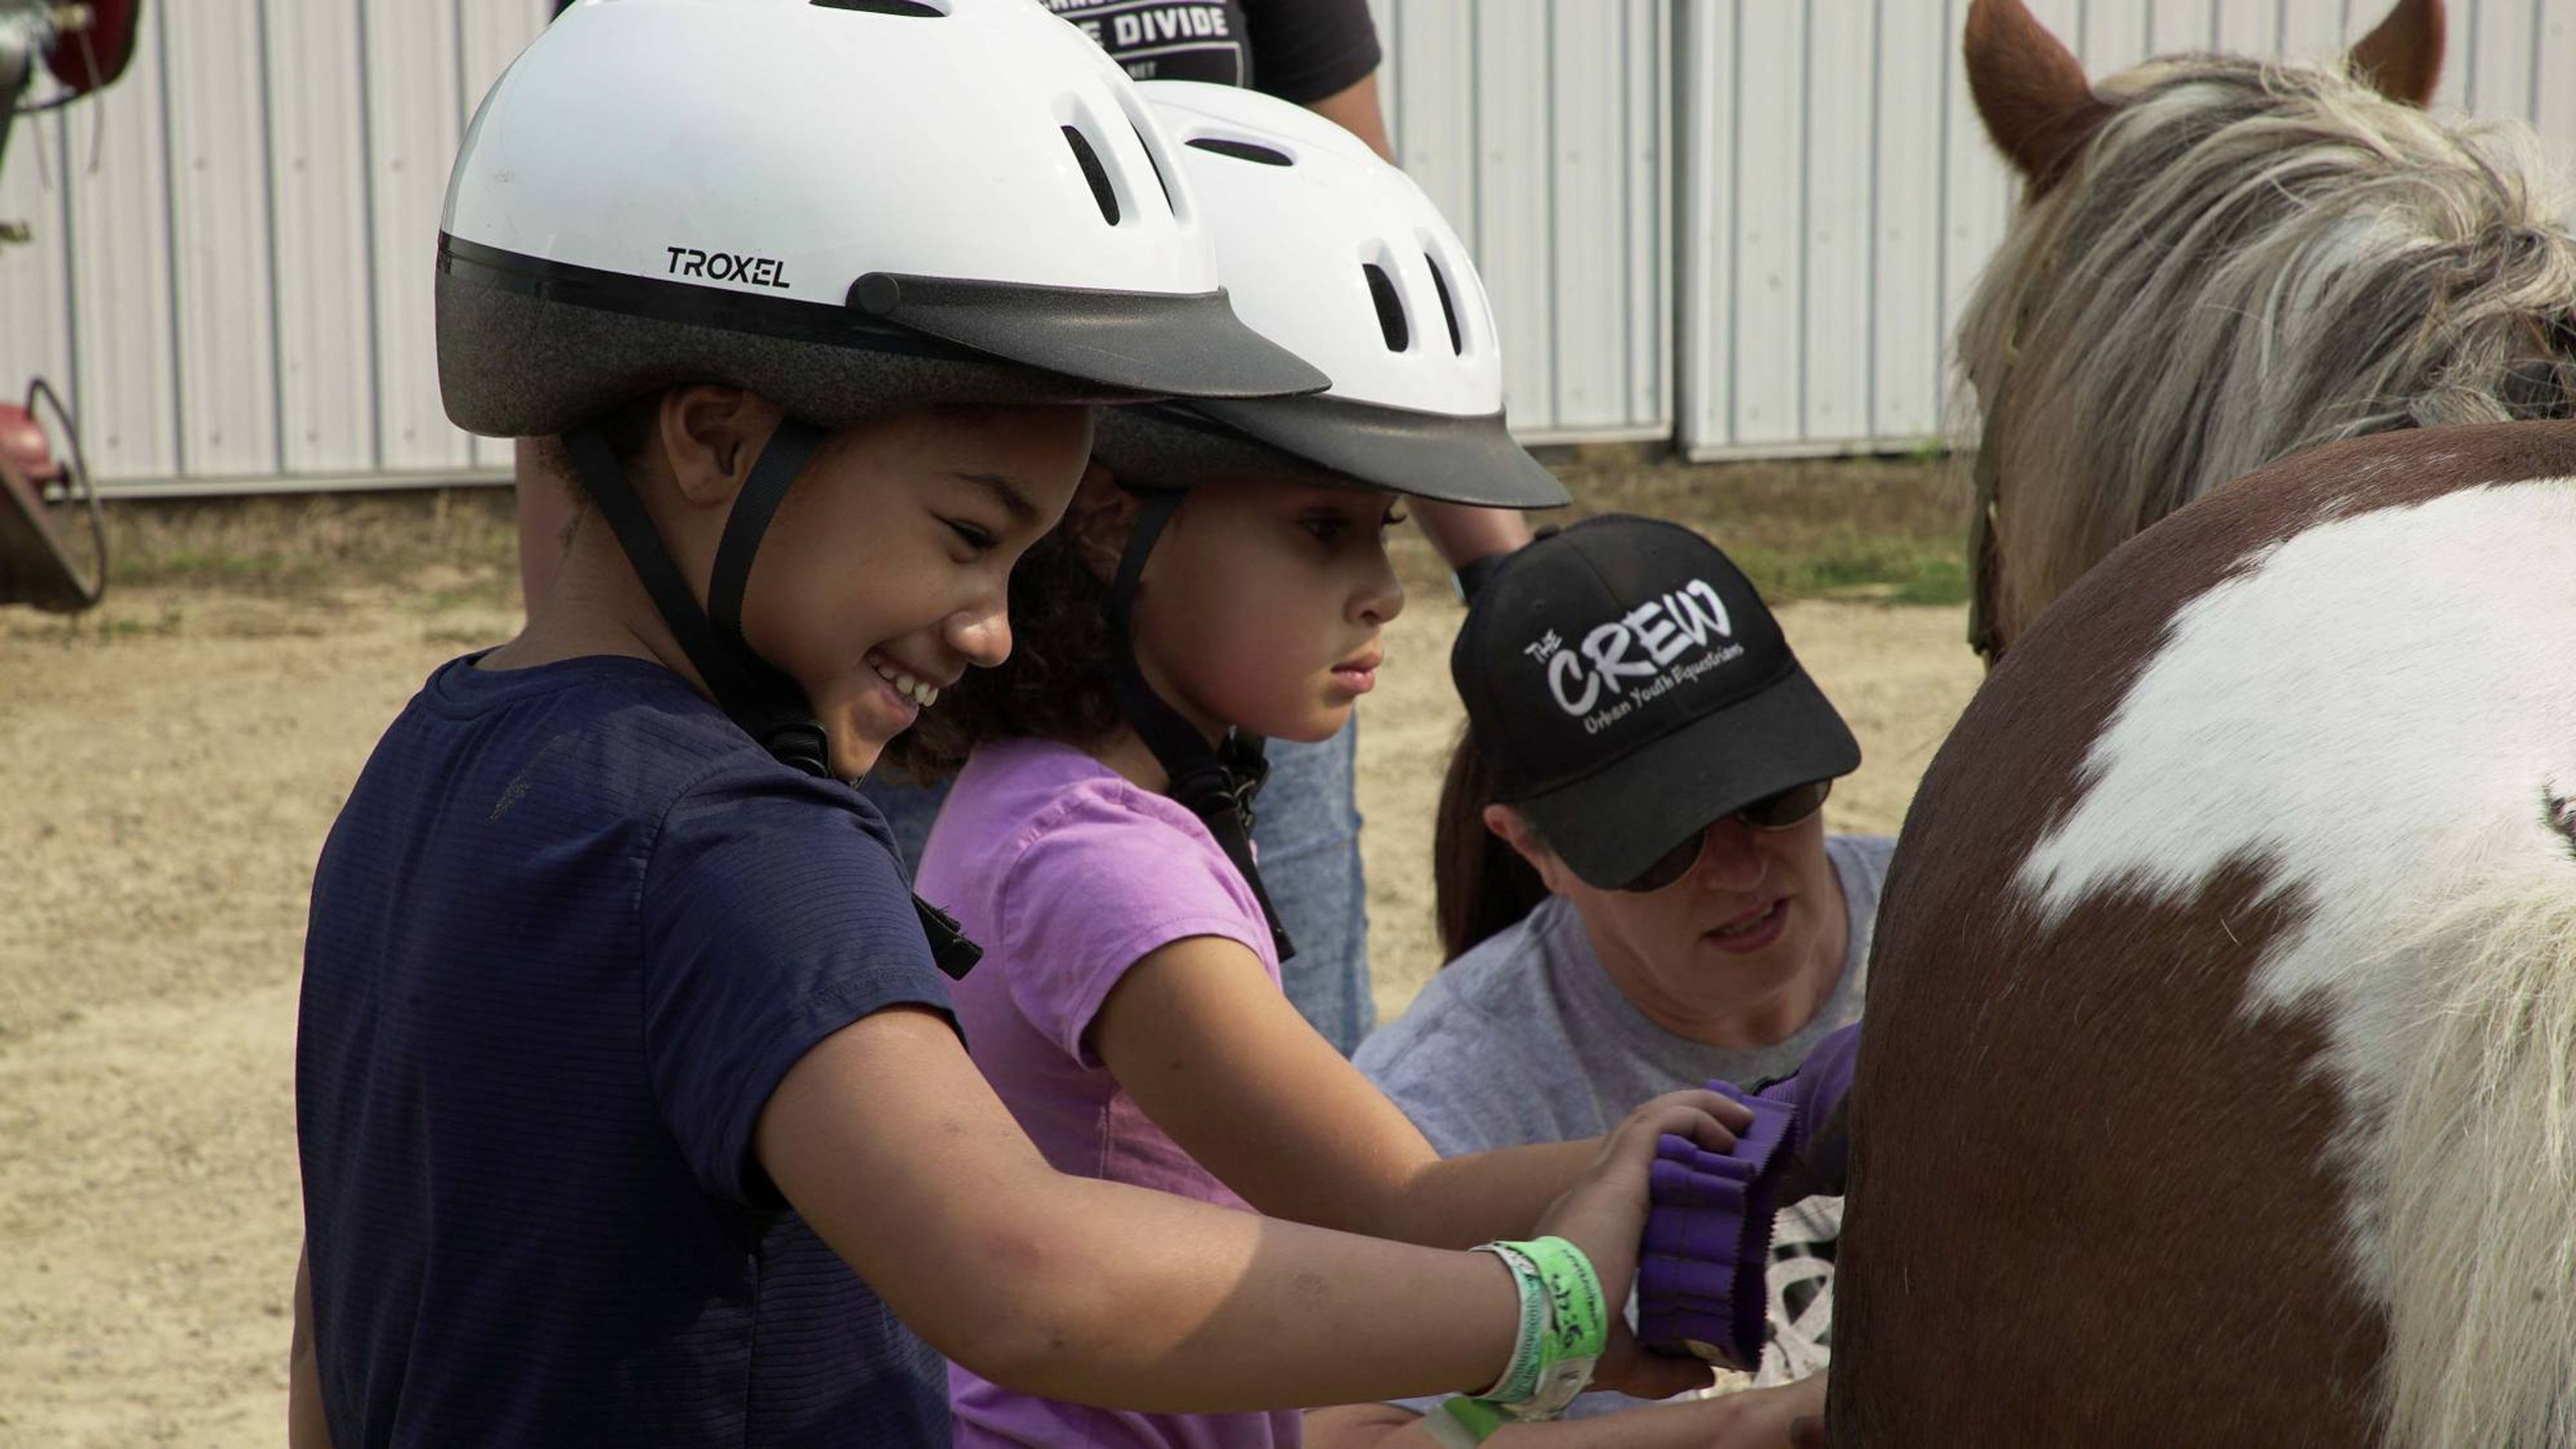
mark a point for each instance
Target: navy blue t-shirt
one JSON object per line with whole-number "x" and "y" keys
{"x": 568, "y": 933}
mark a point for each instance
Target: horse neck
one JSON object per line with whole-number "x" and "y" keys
{"x": 2244, "y": 264}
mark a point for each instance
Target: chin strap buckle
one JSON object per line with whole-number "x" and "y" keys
{"x": 800, "y": 745}
{"x": 950, "y": 950}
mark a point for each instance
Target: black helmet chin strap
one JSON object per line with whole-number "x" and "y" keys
{"x": 756, "y": 694}
{"x": 1217, "y": 785}
{"x": 765, "y": 702}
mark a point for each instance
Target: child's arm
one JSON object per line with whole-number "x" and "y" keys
{"x": 306, "y": 1428}
{"x": 890, "y": 1143}
{"x": 1218, "y": 1059}
{"x": 1753, "y": 1419}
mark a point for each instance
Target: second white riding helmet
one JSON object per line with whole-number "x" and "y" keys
{"x": 1335, "y": 253}
{"x": 846, "y": 206}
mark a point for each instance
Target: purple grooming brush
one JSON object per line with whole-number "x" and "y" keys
{"x": 1701, "y": 1272}
{"x": 1700, "y": 1275}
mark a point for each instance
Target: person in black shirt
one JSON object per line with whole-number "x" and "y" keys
{"x": 1322, "y": 54}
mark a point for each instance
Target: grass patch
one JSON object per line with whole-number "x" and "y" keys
{"x": 484, "y": 593}
{"x": 316, "y": 545}
{"x": 110, "y": 624}
{"x": 1937, "y": 581}
{"x": 1892, "y": 529}
{"x": 1892, "y": 567}
{"x": 1885, "y": 528}
{"x": 264, "y": 573}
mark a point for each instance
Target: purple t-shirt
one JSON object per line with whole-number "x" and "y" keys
{"x": 1068, "y": 875}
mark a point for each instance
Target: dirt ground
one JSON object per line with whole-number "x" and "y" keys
{"x": 168, "y": 768}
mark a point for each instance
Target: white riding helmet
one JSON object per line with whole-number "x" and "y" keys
{"x": 846, "y": 206}
{"x": 1338, "y": 255}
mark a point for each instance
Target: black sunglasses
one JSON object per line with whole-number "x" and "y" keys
{"x": 1793, "y": 806}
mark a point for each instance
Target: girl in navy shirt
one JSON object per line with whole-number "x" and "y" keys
{"x": 629, "y": 1102}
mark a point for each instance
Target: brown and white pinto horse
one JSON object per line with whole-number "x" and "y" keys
{"x": 2220, "y": 1079}
{"x": 2221, "y": 262}
{"x": 2220, "y": 1084}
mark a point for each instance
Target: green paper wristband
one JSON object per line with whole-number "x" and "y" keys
{"x": 1577, "y": 1327}
{"x": 1463, "y": 1423}
{"x": 1520, "y": 1381}
{"x": 1579, "y": 1317}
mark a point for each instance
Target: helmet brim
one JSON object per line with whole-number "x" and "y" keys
{"x": 1444, "y": 458}
{"x": 1188, "y": 345}
{"x": 529, "y": 346}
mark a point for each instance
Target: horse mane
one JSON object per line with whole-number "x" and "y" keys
{"x": 2481, "y": 1161}
{"x": 2244, "y": 261}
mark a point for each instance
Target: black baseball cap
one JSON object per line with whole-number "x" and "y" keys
{"x": 1627, "y": 687}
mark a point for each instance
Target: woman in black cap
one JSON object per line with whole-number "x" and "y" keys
{"x": 1635, "y": 885}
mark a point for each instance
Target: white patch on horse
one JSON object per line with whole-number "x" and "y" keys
{"x": 2372, "y": 710}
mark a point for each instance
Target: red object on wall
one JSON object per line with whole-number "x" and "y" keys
{"x": 89, "y": 58}
{"x": 24, "y": 445}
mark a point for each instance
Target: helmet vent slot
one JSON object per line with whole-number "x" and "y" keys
{"x": 909, "y": 9}
{"x": 1390, "y": 307}
{"x": 1448, "y": 308}
{"x": 1093, "y": 172}
{"x": 1243, "y": 150}
{"x": 1157, "y": 165}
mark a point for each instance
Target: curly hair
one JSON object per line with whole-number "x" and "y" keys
{"x": 1054, "y": 686}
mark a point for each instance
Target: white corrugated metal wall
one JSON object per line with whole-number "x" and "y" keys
{"x": 231, "y": 265}
{"x": 1839, "y": 196}
{"x": 232, "y": 255}
{"x": 1542, "y": 129}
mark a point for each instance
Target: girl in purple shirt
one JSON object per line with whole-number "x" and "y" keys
{"x": 1220, "y": 574}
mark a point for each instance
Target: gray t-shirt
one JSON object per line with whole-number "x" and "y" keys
{"x": 1526, "y": 1039}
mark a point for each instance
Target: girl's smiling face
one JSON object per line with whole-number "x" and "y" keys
{"x": 1262, "y": 604}
{"x": 884, "y": 575}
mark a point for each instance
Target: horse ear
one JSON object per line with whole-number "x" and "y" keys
{"x": 2402, "y": 58}
{"x": 2030, "y": 90}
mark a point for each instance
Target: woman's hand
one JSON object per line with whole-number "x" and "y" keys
{"x": 1605, "y": 1216}
{"x": 1782, "y": 1415}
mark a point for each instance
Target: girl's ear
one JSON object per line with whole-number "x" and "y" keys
{"x": 1099, "y": 519}
{"x": 712, "y": 435}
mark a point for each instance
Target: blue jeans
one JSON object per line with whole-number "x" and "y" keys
{"x": 1307, "y": 830}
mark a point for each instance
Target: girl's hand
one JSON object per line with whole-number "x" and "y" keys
{"x": 1751, "y": 1419}
{"x": 1605, "y": 1216}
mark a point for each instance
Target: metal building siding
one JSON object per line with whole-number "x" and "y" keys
{"x": 1839, "y": 196}
{"x": 225, "y": 334}
{"x": 326, "y": 366}
{"x": 238, "y": 294}
{"x": 1542, "y": 129}
{"x": 35, "y": 324}
{"x": 230, "y": 279}
{"x": 1753, "y": 222}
